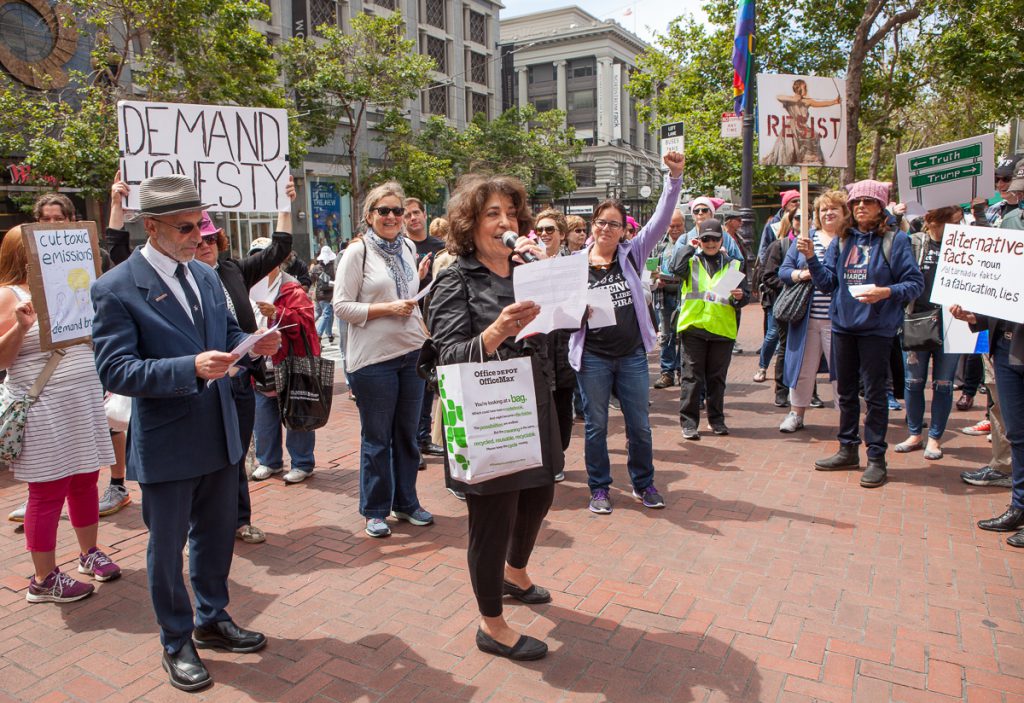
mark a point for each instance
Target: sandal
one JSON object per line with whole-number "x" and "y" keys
{"x": 907, "y": 447}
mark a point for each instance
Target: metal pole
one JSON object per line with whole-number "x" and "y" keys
{"x": 747, "y": 185}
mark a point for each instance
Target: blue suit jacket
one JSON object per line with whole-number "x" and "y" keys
{"x": 145, "y": 345}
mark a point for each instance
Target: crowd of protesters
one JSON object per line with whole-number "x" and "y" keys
{"x": 166, "y": 314}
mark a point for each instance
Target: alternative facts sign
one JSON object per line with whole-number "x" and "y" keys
{"x": 236, "y": 156}
{"x": 947, "y": 174}
{"x": 982, "y": 269}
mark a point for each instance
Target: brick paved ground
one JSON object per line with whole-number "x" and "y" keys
{"x": 762, "y": 581}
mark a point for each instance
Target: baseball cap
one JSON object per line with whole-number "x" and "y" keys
{"x": 710, "y": 228}
{"x": 1004, "y": 169}
{"x": 729, "y": 214}
{"x": 1018, "y": 177}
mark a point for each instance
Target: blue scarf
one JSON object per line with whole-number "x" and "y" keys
{"x": 391, "y": 252}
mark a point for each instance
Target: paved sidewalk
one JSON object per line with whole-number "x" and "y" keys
{"x": 763, "y": 580}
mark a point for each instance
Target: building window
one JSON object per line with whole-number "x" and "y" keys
{"x": 582, "y": 71}
{"x": 478, "y": 68}
{"x": 581, "y": 100}
{"x": 322, "y": 12}
{"x": 544, "y": 104}
{"x": 437, "y": 100}
{"x": 586, "y": 175}
{"x": 435, "y": 13}
{"x": 437, "y": 50}
{"x": 386, "y": 4}
{"x": 478, "y": 27}
{"x": 480, "y": 104}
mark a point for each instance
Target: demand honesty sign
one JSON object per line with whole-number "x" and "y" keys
{"x": 236, "y": 156}
{"x": 947, "y": 174}
{"x": 982, "y": 269}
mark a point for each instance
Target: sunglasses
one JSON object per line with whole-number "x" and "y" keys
{"x": 862, "y": 201}
{"x": 580, "y": 230}
{"x": 601, "y": 224}
{"x": 702, "y": 211}
{"x": 385, "y": 211}
{"x": 209, "y": 239}
{"x": 550, "y": 229}
{"x": 182, "y": 229}
{"x": 1004, "y": 179}
{"x": 707, "y": 238}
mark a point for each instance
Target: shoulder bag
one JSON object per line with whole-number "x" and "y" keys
{"x": 791, "y": 305}
{"x": 305, "y": 389}
{"x": 14, "y": 415}
{"x": 921, "y": 331}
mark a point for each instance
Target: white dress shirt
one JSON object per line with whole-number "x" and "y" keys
{"x": 165, "y": 267}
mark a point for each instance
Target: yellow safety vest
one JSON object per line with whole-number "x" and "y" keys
{"x": 703, "y": 309}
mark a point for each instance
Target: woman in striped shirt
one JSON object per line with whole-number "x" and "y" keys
{"x": 810, "y": 337}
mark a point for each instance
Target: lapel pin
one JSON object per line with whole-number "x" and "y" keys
{"x": 161, "y": 297}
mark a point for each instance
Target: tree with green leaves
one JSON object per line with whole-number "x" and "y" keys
{"x": 339, "y": 78}
{"x": 199, "y": 51}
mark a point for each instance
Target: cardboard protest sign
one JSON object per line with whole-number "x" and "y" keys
{"x": 982, "y": 269}
{"x": 801, "y": 120}
{"x": 673, "y": 138}
{"x": 236, "y": 156}
{"x": 63, "y": 263}
{"x": 947, "y": 174}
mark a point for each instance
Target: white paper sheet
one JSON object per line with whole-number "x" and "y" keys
{"x": 559, "y": 287}
{"x": 260, "y": 293}
{"x": 859, "y": 290}
{"x": 730, "y": 281}
{"x": 957, "y": 337}
{"x": 602, "y": 309}
{"x": 419, "y": 296}
{"x": 246, "y": 346}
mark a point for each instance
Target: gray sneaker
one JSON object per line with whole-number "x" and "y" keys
{"x": 987, "y": 476}
{"x": 792, "y": 423}
{"x": 418, "y": 517}
{"x": 113, "y": 499}
{"x": 377, "y": 527}
{"x": 600, "y": 502}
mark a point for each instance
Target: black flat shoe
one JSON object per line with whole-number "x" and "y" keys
{"x": 186, "y": 669}
{"x": 228, "y": 636}
{"x": 534, "y": 595}
{"x": 1016, "y": 540}
{"x": 525, "y": 649}
{"x": 1010, "y": 521}
{"x": 432, "y": 449}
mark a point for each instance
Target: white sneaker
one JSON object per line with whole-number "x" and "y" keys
{"x": 113, "y": 499}
{"x": 262, "y": 473}
{"x": 792, "y": 423}
{"x": 296, "y": 476}
{"x": 18, "y": 514}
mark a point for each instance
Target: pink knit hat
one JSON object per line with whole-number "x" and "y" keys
{"x": 632, "y": 223}
{"x": 876, "y": 190}
{"x": 788, "y": 196}
{"x": 705, "y": 201}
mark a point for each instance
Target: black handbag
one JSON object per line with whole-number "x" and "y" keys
{"x": 791, "y": 305}
{"x": 922, "y": 331}
{"x": 305, "y": 389}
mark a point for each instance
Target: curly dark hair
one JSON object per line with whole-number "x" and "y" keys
{"x": 467, "y": 204}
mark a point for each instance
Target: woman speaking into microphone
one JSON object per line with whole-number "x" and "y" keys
{"x": 473, "y": 307}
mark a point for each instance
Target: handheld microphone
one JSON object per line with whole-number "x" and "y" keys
{"x": 509, "y": 239}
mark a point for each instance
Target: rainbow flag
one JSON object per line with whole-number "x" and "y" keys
{"x": 743, "y": 44}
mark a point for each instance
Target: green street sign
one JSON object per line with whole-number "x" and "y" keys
{"x": 942, "y": 158}
{"x": 945, "y": 175}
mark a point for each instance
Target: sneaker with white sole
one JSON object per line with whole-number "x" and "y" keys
{"x": 418, "y": 517}
{"x": 559, "y": 477}
{"x": 262, "y": 473}
{"x": 458, "y": 494}
{"x": 761, "y": 375}
{"x": 377, "y": 527}
{"x": 600, "y": 502}
{"x": 113, "y": 499}
{"x": 98, "y": 565}
{"x": 792, "y": 423}
{"x": 58, "y": 587}
{"x": 18, "y": 514}
{"x": 987, "y": 476}
{"x": 296, "y": 475}
{"x": 649, "y": 497}
{"x": 979, "y": 428}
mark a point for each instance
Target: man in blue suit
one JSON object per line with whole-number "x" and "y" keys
{"x": 162, "y": 335}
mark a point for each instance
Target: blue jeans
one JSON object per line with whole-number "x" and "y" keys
{"x": 943, "y": 370}
{"x": 1010, "y": 382}
{"x": 325, "y": 318}
{"x": 669, "y": 337}
{"x": 771, "y": 340}
{"x": 268, "y": 439}
{"x": 389, "y": 395}
{"x": 629, "y": 378}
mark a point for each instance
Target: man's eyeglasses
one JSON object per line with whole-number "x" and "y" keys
{"x": 550, "y": 229}
{"x": 602, "y": 224}
{"x": 702, "y": 211}
{"x": 185, "y": 228}
{"x": 209, "y": 239}
{"x": 385, "y": 211}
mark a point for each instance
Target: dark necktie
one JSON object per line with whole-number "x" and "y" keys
{"x": 193, "y": 302}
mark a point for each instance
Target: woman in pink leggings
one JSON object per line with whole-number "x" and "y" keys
{"x": 66, "y": 436}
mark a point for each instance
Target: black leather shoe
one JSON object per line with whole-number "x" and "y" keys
{"x": 526, "y": 649}
{"x": 1016, "y": 540}
{"x": 228, "y": 636}
{"x": 875, "y": 474}
{"x": 534, "y": 595}
{"x": 432, "y": 449}
{"x": 186, "y": 669}
{"x": 1010, "y": 521}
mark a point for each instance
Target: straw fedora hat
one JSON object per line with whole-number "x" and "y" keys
{"x": 168, "y": 195}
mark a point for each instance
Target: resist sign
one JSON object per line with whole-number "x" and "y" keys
{"x": 982, "y": 269}
{"x": 236, "y": 156}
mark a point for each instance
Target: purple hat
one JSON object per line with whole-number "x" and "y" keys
{"x": 876, "y": 190}
{"x": 206, "y": 225}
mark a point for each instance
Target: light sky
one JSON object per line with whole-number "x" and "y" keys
{"x": 646, "y": 18}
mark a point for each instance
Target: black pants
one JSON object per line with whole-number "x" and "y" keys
{"x": 705, "y": 365}
{"x": 245, "y": 406}
{"x": 564, "y": 412}
{"x": 974, "y": 373}
{"x": 864, "y": 359}
{"x": 502, "y": 527}
{"x": 781, "y": 390}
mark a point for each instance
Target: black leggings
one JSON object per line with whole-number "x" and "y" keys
{"x": 564, "y": 412}
{"x": 502, "y": 527}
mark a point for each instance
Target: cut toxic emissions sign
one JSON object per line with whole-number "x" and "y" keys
{"x": 947, "y": 174}
{"x": 236, "y": 156}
